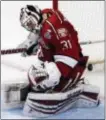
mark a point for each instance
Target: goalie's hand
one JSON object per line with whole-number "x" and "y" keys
{"x": 31, "y": 45}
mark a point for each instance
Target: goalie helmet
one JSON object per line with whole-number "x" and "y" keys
{"x": 31, "y": 18}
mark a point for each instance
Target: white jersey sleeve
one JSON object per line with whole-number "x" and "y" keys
{"x": 31, "y": 44}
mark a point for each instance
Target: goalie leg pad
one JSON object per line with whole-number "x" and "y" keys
{"x": 46, "y": 104}
{"x": 89, "y": 97}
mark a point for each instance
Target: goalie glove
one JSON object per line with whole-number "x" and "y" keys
{"x": 31, "y": 44}
{"x": 37, "y": 75}
{"x": 45, "y": 76}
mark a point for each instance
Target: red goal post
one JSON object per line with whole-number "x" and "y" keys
{"x": 55, "y": 4}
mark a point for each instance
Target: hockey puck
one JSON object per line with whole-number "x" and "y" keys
{"x": 90, "y": 67}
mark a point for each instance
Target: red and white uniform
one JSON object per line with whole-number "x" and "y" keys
{"x": 60, "y": 44}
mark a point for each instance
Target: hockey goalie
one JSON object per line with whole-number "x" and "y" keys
{"x": 56, "y": 83}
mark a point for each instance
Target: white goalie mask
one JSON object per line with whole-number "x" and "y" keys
{"x": 31, "y": 18}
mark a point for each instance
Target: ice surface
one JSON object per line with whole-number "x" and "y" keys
{"x": 94, "y": 113}
{"x": 13, "y": 74}
{"x": 14, "y": 67}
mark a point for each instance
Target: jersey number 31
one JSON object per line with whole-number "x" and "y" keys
{"x": 66, "y": 44}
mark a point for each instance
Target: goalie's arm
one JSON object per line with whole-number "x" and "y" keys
{"x": 30, "y": 44}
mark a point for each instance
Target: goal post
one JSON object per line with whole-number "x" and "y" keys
{"x": 55, "y": 4}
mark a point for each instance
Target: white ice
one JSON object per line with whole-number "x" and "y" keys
{"x": 88, "y": 19}
{"x": 15, "y": 71}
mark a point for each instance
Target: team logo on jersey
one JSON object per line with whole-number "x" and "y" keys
{"x": 62, "y": 32}
{"x": 47, "y": 34}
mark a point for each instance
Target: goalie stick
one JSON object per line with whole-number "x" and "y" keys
{"x": 20, "y": 50}
{"x": 91, "y": 42}
{"x": 12, "y": 51}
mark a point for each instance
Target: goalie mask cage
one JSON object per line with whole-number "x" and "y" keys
{"x": 88, "y": 19}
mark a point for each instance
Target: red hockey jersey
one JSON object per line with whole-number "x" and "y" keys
{"x": 60, "y": 42}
